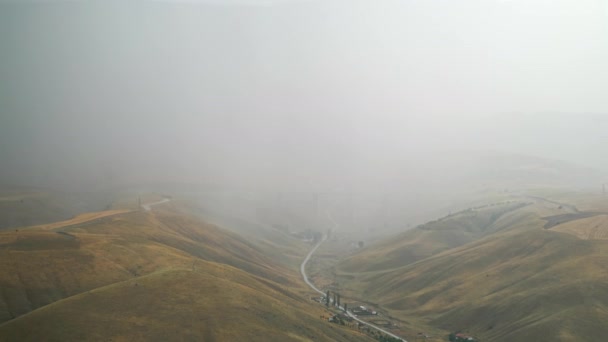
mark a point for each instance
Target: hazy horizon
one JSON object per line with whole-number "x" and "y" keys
{"x": 283, "y": 92}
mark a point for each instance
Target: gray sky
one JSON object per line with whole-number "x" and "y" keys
{"x": 291, "y": 91}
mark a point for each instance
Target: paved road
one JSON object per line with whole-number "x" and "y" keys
{"x": 312, "y": 286}
{"x": 149, "y": 206}
{"x": 373, "y": 326}
{"x": 303, "y": 266}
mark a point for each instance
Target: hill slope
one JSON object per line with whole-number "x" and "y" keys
{"x": 44, "y": 265}
{"x": 519, "y": 283}
{"x": 213, "y": 303}
{"x": 432, "y": 238}
{"x": 83, "y": 271}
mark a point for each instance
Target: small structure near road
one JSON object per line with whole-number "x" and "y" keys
{"x": 461, "y": 337}
{"x": 363, "y": 311}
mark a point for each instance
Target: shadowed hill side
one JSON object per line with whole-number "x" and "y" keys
{"x": 277, "y": 244}
{"x": 431, "y": 238}
{"x": 209, "y": 242}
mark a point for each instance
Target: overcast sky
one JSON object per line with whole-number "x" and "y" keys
{"x": 276, "y": 90}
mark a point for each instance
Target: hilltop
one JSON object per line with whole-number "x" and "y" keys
{"x": 132, "y": 274}
{"x": 496, "y": 272}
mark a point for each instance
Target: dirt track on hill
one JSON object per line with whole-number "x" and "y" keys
{"x": 82, "y": 218}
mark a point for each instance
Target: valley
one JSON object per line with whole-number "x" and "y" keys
{"x": 499, "y": 270}
{"x": 152, "y": 275}
{"x": 303, "y": 171}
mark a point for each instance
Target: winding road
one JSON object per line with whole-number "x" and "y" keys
{"x": 303, "y": 266}
{"x": 312, "y": 286}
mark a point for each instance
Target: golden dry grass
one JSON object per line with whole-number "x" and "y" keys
{"x": 431, "y": 238}
{"x": 75, "y": 280}
{"x": 214, "y": 303}
{"x": 520, "y": 283}
{"x": 41, "y": 266}
{"x": 82, "y": 218}
{"x": 591, "y": 228}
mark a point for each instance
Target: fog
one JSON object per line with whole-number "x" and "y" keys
{"x": 292, "y": 95}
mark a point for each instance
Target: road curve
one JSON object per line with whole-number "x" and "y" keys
{"x": 312, "y": 286}
{"x": 303, "y": 266}
{"x": 149, "y": 206}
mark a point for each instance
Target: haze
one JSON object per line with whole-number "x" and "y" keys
{"x": 286, "y": 94}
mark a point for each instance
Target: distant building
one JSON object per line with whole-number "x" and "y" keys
{"x": 363, "y": 311}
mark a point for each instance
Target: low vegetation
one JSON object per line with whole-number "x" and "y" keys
{"x": 508, "y": 278}
{"x": 432, "y": 238}
{"x": 160, "y": 275}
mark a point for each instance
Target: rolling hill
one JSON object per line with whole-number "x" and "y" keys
{"x": 432, "y": 238}
{"x": 517, "y": 281}
{"x": 156, "y": 275}
{"x": 214, "y": 302}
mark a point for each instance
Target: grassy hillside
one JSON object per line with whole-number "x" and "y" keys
{"x": 591, "y": 228}
{"x": 519, "y": 283}
{"x": 48, "y": 263}
{"x": 213, "y": 303}
{"x": 159, "y": 275}
{"x": 432, "y": 238}
{"x": 276, "y": 243}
